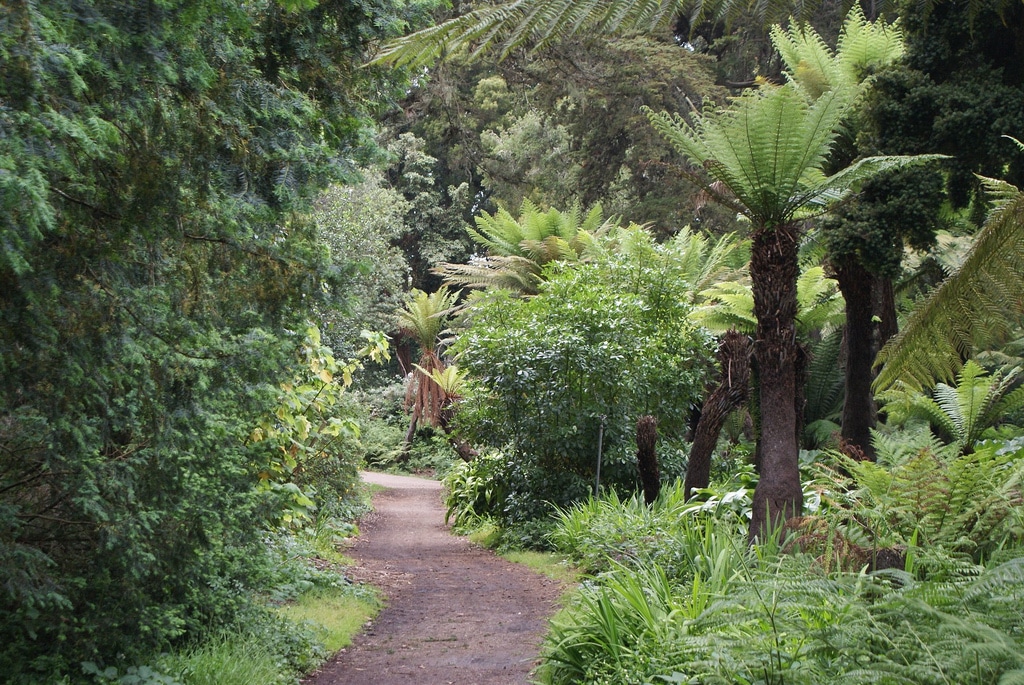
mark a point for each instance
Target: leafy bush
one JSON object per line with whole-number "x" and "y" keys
{"x": 602, "y": 344}
{"x": 683, "y": 538}
{"x": 473, "y": 490}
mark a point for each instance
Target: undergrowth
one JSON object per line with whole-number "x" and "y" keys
{"x": 675, "y": 595}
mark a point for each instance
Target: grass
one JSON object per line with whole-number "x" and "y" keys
{"x": 554, "y": 566}
{"x": 337, "y": 614}
{"x": 486, "y": 534}
{"x": 225, "y": 661}
{"x": 551, "y": 564}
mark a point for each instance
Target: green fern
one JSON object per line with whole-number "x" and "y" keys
{"x": 824, "y": 389}
{"x": 972, "y": 309}
{"x": 863, "y": 47}
{"x": 960, "y": 414}
{"x": 730, "y": 305}
{"x": 519, "y": 248}
{"x": 929, "y": 498}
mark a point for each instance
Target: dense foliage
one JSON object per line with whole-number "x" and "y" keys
{"x": 603, "y": 343}
{"x": 876, "y": 586}
{"x": 155, "y": 272}
{"x": 564, "y": 126}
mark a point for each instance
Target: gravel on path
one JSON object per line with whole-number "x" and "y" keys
{"x": 455, "y": 613}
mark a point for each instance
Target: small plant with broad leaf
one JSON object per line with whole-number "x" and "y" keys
{"x": 308, "y": 428}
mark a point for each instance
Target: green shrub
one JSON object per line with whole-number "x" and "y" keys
{"x": 430, "y": 452}
{"x": 682, "y": 537}
{"x": 677, "y": 595}
{"x": 779, "y": 619}
{"x": 473, "y": 490}
{"x": 552, "y": 375}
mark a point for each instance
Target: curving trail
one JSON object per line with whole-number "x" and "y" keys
{"x": 456, "y": 614}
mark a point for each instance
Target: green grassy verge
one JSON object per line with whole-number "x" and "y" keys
{"x": 554, "y": 566}
{"x": 225, "y": 661}
{"x": 336, "y": 614}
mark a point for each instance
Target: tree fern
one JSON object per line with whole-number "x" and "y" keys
{"x": 518, "y": 248}
{"x": 960, "y": 414}
{"x": 969, "y": 311}
{"x": 423, "y": 319}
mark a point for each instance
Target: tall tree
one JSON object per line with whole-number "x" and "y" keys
{"x": 865, "y": 238}
{"x": 155, "y": 164}
{"x": 763, "y": 158}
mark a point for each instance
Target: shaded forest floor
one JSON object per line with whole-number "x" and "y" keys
{"x": 455, "y": 613}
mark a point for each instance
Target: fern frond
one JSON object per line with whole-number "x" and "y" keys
{"x": 520, "y": 247}
{"x": 998, "y": 192}
{"x": 809, "y": 61}
{"x": 825, "y": 384}
{"x": 967, "y": 312}
{"x": 821, "y": 306}
{"x": 517, "y": 274}
{"x": 533, "y": 23}
{"x": 865, "y": 46}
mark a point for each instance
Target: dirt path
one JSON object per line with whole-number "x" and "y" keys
{"x": 456, "y": 614}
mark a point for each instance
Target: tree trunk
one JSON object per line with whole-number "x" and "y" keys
{"x": 409, "y": 435}
{"x": 647, "y": 457}
{"x": 883, "y": 303}
{"x": 855, "y": 282}
{"x": 461, "y": 447}
{"x": 773, "y": 275}
{"x": 731, "y": 394}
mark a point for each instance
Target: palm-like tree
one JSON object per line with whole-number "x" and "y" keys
{"x": 519, "y": 248}
{"x": 862, "y": 48}
{"x": 423, "y": 319}
{"x": 763, "y": 158}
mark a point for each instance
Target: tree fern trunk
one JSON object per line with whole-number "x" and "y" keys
{"x": 773, "y": 275}
{"x": 855, "y": 282}
{"x": 647, "y": 457}
{"x": 731, "y": 393}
